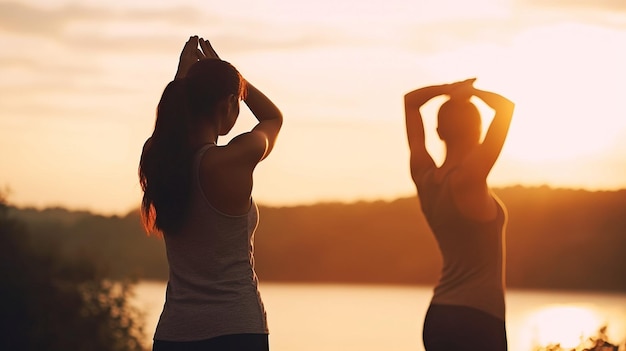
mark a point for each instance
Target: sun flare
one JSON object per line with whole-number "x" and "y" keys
{"x": 566, "y": 325}
{"x": 340, "y": 68}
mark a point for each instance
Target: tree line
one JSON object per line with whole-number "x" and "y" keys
{"x": 556, "y": 239}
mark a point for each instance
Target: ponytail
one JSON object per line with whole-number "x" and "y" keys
{"x": 164, "y": 171}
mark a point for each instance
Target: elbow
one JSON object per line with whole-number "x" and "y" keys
{"x": 410, "y": 101}
{"x": 411, "y": 98}
{"x": 510, "y": 105}
{"x": 414, "y": 100}
{"x": 507, "y": 108}
{"x": 273, "y": 114}
{"x": 510, "y": 108}
{"x": 278, "y": 117}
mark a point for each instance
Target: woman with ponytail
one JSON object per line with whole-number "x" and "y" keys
{"x": 197, "y": 195}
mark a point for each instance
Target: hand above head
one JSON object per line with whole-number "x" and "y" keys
{"x": 190, "y": 55}
{"x": 207, "y": 49}
{"x": 463, "y": 89}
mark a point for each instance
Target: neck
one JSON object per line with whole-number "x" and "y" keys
{"x": 204, "y": 134}
{"x": 456, "y": 153}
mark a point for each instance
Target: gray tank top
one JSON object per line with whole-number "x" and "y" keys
{"x": 473, "y": 252}
{"x": 212, "y": 288}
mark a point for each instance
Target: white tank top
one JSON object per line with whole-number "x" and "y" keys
{"x": 212, "y": 288}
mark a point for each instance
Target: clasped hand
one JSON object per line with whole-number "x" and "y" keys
{"x": 195, "y": 49}
{"x": 462, "y": 90}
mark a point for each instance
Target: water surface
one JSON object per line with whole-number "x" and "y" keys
{"x": 316, "y": 317}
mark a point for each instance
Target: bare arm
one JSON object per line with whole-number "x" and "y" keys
{"x": 229, "y": 175}
{"x": 269, "y": 116}
{"x": 245, "y": 151}
{"x": 482, "y": 160}
{"x": 420, "y": 158}
{"x": 255, "y": 145}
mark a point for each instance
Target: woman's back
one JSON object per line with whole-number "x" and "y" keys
{"x": 472, "y": 250}
{"x": 212, "y": 287}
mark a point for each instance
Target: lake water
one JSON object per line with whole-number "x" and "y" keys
{"x": 319, "y": 317}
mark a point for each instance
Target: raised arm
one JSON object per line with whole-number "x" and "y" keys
{"x": 255, "y": 145}
{"x": 482, "y": 160}
{"x": 228, "y": 177}
{"x": 420, "y": 158}
{"x": 269, "y": 116}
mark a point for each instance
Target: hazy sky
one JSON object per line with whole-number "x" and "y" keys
{"x": 79, "y": 83}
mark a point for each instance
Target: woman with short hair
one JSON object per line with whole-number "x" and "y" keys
{"x": 467, "y": 310}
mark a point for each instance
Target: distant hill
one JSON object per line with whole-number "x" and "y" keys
{"x": 556, "y": 239}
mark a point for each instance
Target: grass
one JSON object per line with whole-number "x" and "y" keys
{"x": 596, "y": 343}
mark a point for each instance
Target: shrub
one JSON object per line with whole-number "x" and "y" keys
{"x": 53, "y": 303}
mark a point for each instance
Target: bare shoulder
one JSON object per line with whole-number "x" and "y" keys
{"x": 247, "y": 148}
{"x": 226, "y": 179}
{"x": 420, "y": 164}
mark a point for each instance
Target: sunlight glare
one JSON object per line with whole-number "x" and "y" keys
{"x": 566, "y": 89}
{"x": 565, "y": 79}
{"x": 567, "y": 325}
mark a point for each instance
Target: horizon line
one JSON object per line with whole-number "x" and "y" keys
{"x": 388, "y": 199}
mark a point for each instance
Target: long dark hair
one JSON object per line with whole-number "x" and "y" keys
{"x": 165, "y": 171}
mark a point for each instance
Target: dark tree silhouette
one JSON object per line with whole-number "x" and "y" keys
{"x": 52, "y": 303}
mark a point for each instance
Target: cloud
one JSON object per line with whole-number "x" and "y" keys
{"x": 21, "y": 18}
{"x": 38, "y": 66}
{"x": 618, "y": 5}
{"x": 97, "y": 29}
{"x": 450, "y": 35}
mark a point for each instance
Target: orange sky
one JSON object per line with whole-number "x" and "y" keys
{"x": 80, "y": 85}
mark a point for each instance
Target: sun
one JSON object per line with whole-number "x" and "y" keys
{"x": 566, "y": 325}
{"x": 566, "y": 90}
{"x": 565, "y": 79}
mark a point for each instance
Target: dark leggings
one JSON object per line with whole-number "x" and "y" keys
{"x": 448, "y": 327}
{"x": 234, "y": 342}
